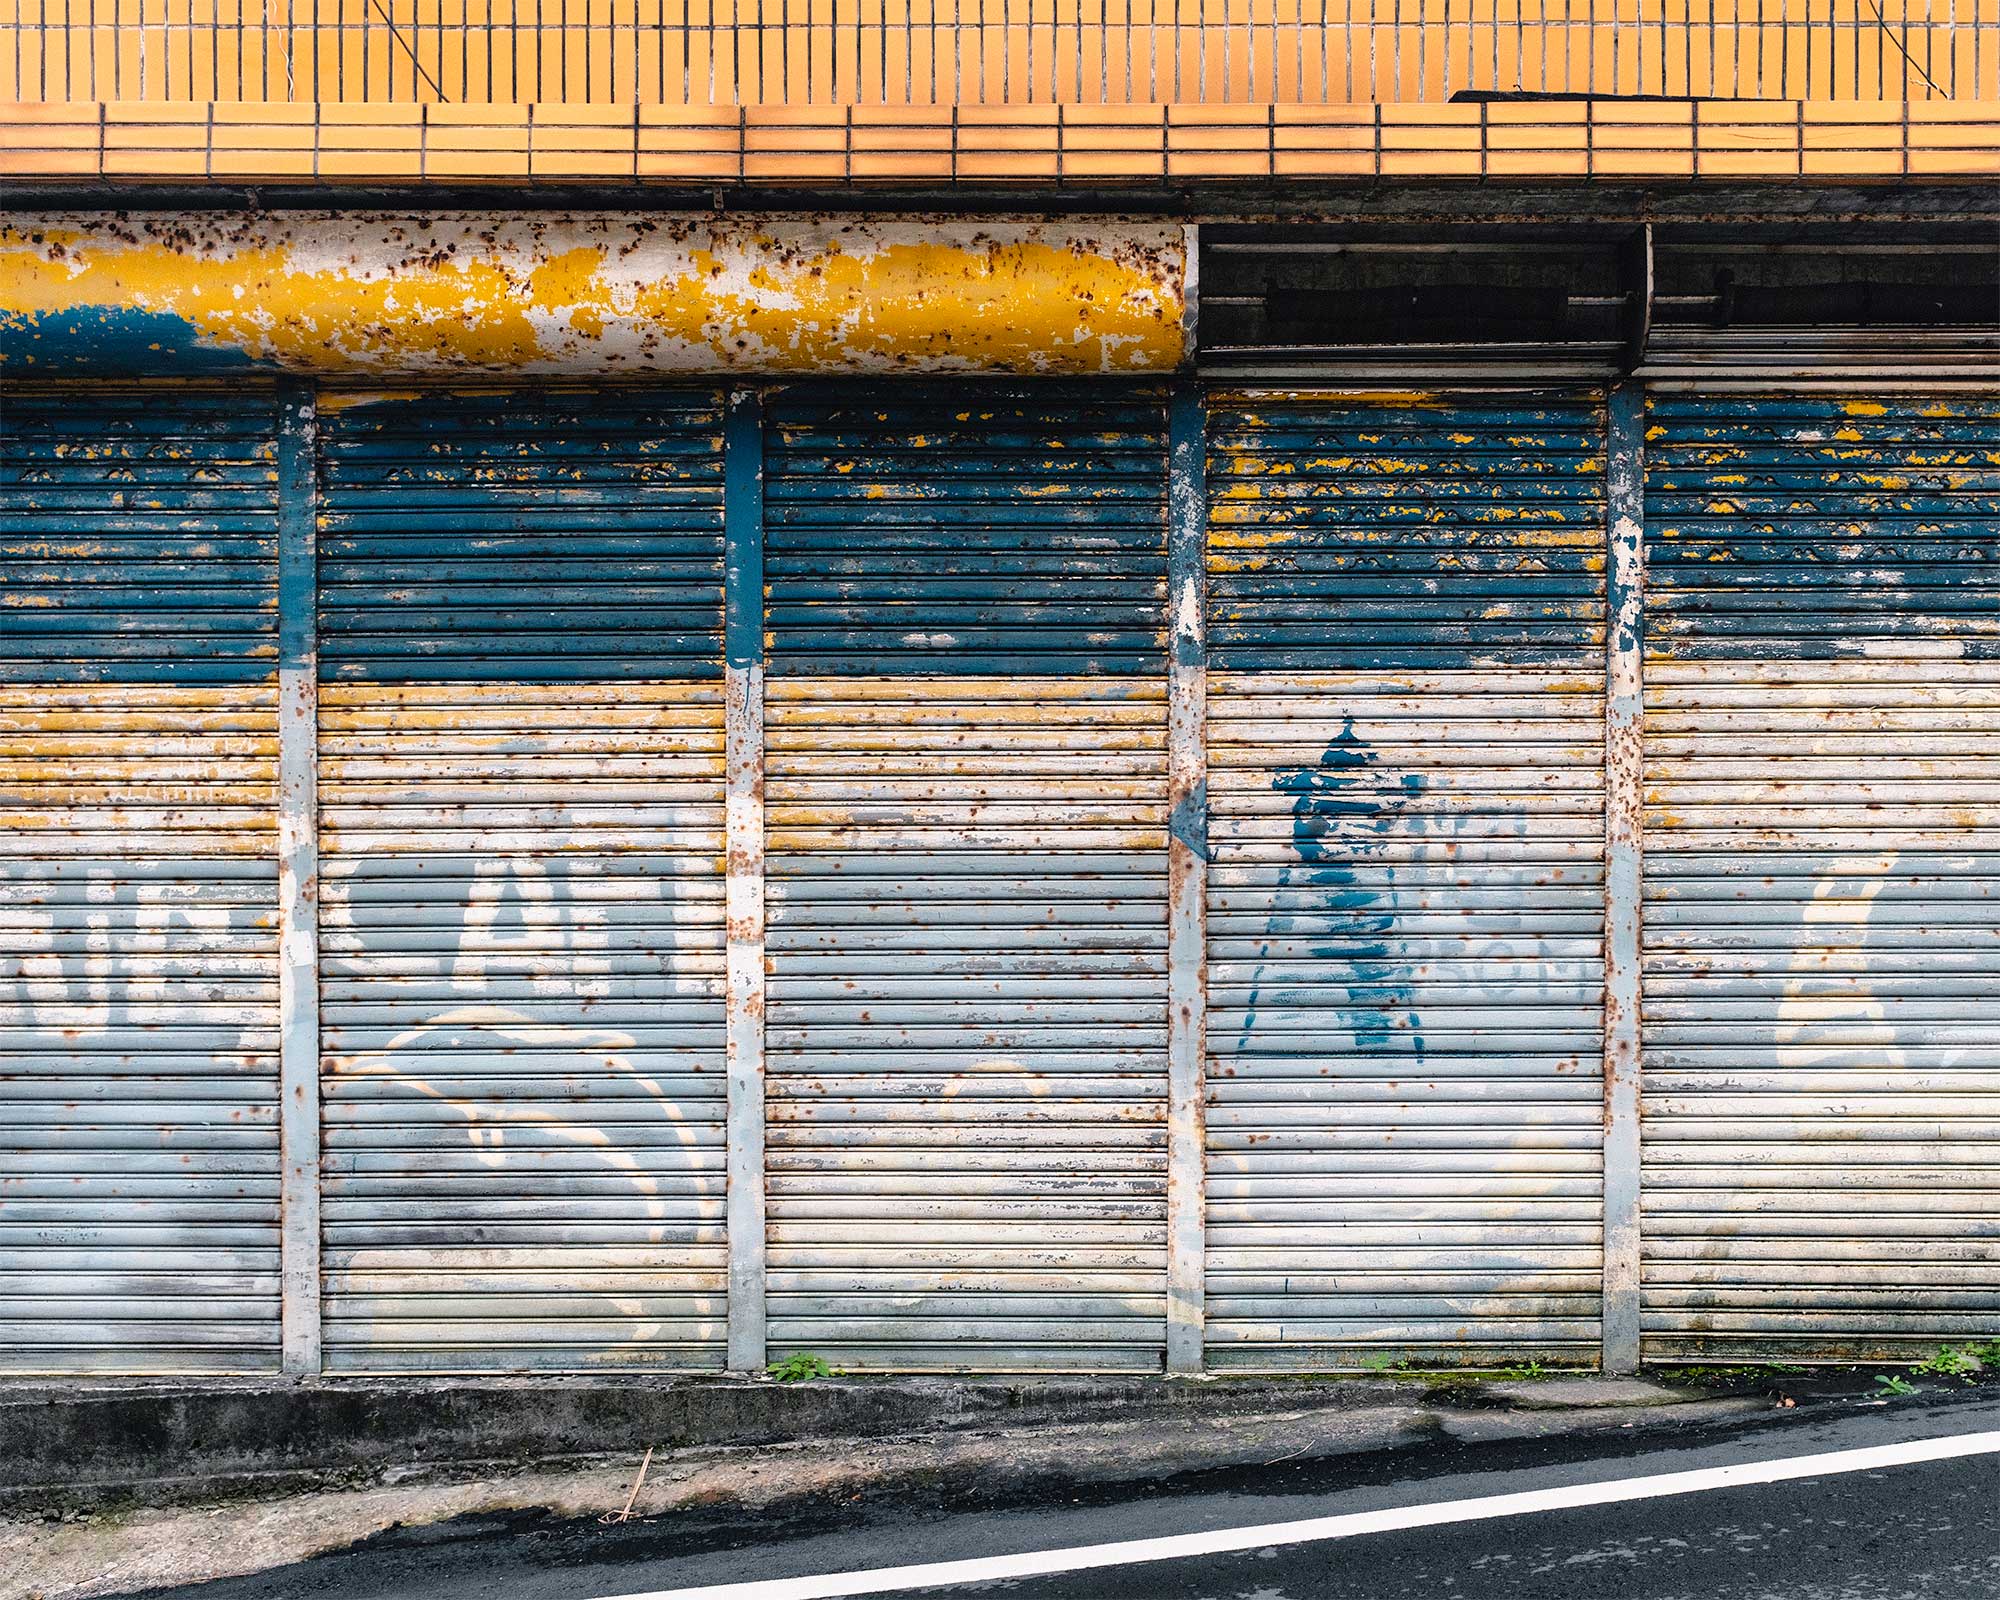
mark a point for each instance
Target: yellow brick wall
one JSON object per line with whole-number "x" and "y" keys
{"x": 924, "y": 52}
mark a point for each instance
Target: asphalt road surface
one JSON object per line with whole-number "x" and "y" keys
{"x": 1925, "y": 1530}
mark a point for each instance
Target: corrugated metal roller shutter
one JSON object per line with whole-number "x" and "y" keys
{"x": 138, "y": 883}
{"x": 1822, "y": 1011}
{"x": 966, "y": 1028}
{"x": 1405, "y": 903}
{"x": 521, "y": 932}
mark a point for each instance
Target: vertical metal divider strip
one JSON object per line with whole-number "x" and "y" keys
{"x": 743, "y": 678}
{"x": 1623, "y": 802}
{"x": 298, "y": 882}
{"x": 1187, "y": 857}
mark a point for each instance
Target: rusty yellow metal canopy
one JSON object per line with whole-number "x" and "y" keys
{"x": 585, "y": 294}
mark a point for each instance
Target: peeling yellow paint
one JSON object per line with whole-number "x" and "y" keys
{"x": 1864, "y": 408}
{"x": 344, "y": 399}
{"x": 1256, "y": 536}
{"x": 467, "y": 292}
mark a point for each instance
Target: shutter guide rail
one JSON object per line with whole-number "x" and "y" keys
{"x": 298, "y": 881}
{"x": 1187, "y": 885}
{"x": 743, "y": 648}
{"x": 1623, "y": 807}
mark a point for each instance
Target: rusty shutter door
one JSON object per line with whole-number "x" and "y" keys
{"x": 1405, "y": 907}
{"x": 966, "y": 1027}
{"x": 1822, "y": 1003}
{"x": 138, "y": 883}
{"x": 521, "y": 793}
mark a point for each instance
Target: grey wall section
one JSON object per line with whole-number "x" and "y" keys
{"x": 521, "y": 790}
{"x": 138, "y": 884}
{"x": 1822, "y": 971}
{"x": 1405, "y": 897}
{"x": 966, "y": 792}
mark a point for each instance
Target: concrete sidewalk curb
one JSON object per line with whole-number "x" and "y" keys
{"x": 159, "y": 1443}
{"x": 998, "y": 1442}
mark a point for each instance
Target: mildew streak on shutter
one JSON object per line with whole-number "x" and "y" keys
{"x": 1822, "y": 1085}
{"x": 139, "y": 1175}
{"x": 522, "y": 943}
{"x": 1405, "y": 902}
{"x": 967, "y": 876}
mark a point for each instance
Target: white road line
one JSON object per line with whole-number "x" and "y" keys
{"x": 1182, "y": 1546}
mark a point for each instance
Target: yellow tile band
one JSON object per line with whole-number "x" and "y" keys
{"x": 864, "y": 145}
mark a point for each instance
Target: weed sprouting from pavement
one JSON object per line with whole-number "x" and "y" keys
{"x": 1965, "y": 1361}
{"x": 801, "y": 1366}
{"x": 1732, "y": 1377}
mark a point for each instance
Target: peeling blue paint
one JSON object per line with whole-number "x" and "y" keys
{"x": 964, "y": 529}
{"x": 536, "y": 536}
{"x": 112, "y": 341}
{"x": 138, "y": 537}
{"x": 1803, "y": 528}
{"x": 1364, "y": 532}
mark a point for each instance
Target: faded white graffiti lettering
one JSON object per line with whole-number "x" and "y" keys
{"x": 1827, "y": 1013}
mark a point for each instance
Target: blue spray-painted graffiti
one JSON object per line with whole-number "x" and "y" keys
{"x": 1344, "y": 915}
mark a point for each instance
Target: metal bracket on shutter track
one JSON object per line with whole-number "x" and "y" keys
{"x": 743, "y": 653}
{"x": 1191, "y": 295}
{"x": 1187, "y": 853}
{"x": 1639, "y": 290}
{"x": 298, "y": 882}
{"x": 1623, "y": 798}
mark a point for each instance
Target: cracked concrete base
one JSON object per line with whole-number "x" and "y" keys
{"x": 107, "y": 1553}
